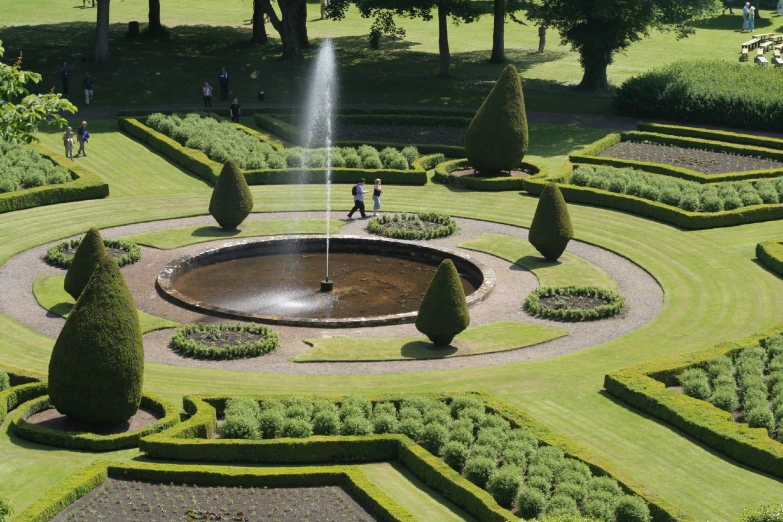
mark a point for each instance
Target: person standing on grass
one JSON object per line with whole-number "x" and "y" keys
{"x": 745, "y": 15}
{"x": 358, "y": 199}
{"x": 81, "y": 137}
{"x": 207, "y": 91}
{"x": 779, "y": 9}
{"x": 728, "y": 4}
{"x": 752, "y": 18}
{"x": 235, "y": 111}
{"x": 65, "y": 75}
{"x": 88, "y": 82}
{"x": 223, "y": 81}
{"x": 376, "y": 196}
{"x": 68, "y": 142}
{"x": 541, "y": 38}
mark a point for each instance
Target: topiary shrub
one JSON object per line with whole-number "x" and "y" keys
{"x": 326, "y": 423}
{"x": 434, "y": 437}
{"x": 296, "y": 428}
{"x": 632, "y": 509}
{"x": 504, "y": 484}
{"x": 271, "y": 423}
{"x": 455, "y": 454}
{"x": 411, "y": 428}
{"x": 5, "y": 381}
{"x": 91, "y": 250}
{"x": 497, "y": 138}
{"x": 531, "y": 503}
{"x": 443, "y": 312}
{"x": 479, "y": 469}
{"x": 384, "y": 424}
{"x": 561, "y": 504}
{"x": 356, "y": 425}
{"x": 551, "y": 229}
{"x": 97, "y": 364}
{"x": 231, "y": 198}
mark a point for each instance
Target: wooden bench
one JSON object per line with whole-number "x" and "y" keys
{"x": 760, "y": 58}
{"x": 764, "y": 36}
{"x": 763, "y": 46}
{"x": 751, "y": 44}
{"x": 777, "y": 60}
{"x": 779, "y": 47}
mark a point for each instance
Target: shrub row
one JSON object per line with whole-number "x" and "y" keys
{"x": 210, "y": 341}
{"x": 490, "y": 184}
{"x": 90, "y": 441}
{"x": 770, "y": 254}
{"x": 22, "y": 167}
{"x": 279, "y": 128}
{"x": 404, "y": 120}
{"x": 422, "y": 225}
{"x": 18, "y": 393}
{"x": 614, "y": 303}
{"x": 56, "y": 256}
{"x": 713, "y": 135}
{"x": 378, "y": 111}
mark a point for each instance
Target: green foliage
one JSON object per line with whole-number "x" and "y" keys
{"x": 223, "y": 341}
{"x": 22, "y": 168}
{"x": 296, "y": 428}
{"x": 419, "y": 226}
{"x": 385, "y": 423}
{"x": 5, "y": 509}
{"x": 561, "y": 504}
{"x": 443, "y": 312}
{"x": 696, "y": 383}
{"x": 551, "y": 229}
{"x": 613, "y": 303}
{"x": 326, "y": 423}
{"x": 479, "y": 469}
{"x": 434, "y": 437}
{"x": 356, "y": 425}
{"x": 531, "y": 502}
{"x": 231, "y": 200}
{"x": 497, "y": 138}
{"x": 91, "y": 251}
{"x": 455, "y": 454}
{"x": 56, "y": 255}
{"x": 504, "y": 484}
{"x": 97, "y": 364}
{"x": 5, "y": 381}
{"x": 632, "y": 509}
{"x": 271, "y": 423}
{"x": 773, "y": 513}
{"x": 770, "y": 254}
{"x": 241, "y": 419}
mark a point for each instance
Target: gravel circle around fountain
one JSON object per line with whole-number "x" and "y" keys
{"x": 644, "y": 300}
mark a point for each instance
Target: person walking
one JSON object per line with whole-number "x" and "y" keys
{"x": 779, "y": 9}
{"x": 68, "y": 142}
{"x": 541, "y": 38}
{"x": 207, "y": 91}
{"x": 358, "y": 199}
{"x": 376, "y": 197}
{"x": 728, "y": 4}
{"x": 745, "y": 15}
{"x": 235, "y": 111}
{"x": 65, "y": 75}
{"x": 81, "y": 137}
{"x": 88, "y": 82}
{"x": 752, "y": 18}
{"x": 223, "y": 81}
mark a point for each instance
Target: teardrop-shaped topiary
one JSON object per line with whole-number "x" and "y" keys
{"x": 97, "y": 364}
{"x": 443, "y": 312}
{"x": 91, "y": 250}
{"x": 497, "y": 138}
{"x": 231, "y": 198}
{"x": 551, "y": 229}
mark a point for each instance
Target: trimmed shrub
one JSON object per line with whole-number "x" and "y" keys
{"x": 231, "y": 199}
{"x": 97, "y": 364}
{"x": 5, "y": 509}
{"x": 772, "y": 513}
{"x": 455, "y": 454}
{"x": 411, "y": 428}
{"x": 434, "y": 437}
{"x": 384, "y": 408}
{"x": 760, "y": 417}
{"x": 385, "y": 423}
{"x": 296, "y": 428}
{"x": 725, "y": 398}
{"x": 5, "y": 381}
{"x": 479, "y": 469}
{"x": 504, "y": 485}
{"x": 326, "y": 423}
{"x": 695, "y": 383}
{"x": 561, "y": 504}
{"x": 423, "y": 225}
{"x": 207, "y": 341}
{"x": 55, "y": 255}
{"x": 531, "y": 503}
{"x": 463, "y": 435}
{"x": 551, "y": 229}
{"x": 599, "y": 508}
{"x": 271, "y": 423}
{"x": 443, "y": 312}
{"x": 613, "y": 303}
{"x": 356, "y": 425}
{"x": 463, "y": 402}
{"x": 497, "y": 138}
{"x": 90, "y": 252}
{"x": 632, "y": 509}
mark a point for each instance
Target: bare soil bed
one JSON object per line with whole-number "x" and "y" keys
{"x": 398, "y": 134}
{"x": 53, "y": 420}
{"x": 703, "y": 161}
{"x": 117, "y": 499}
{"x": 582, "y": 302}
{"x": 226, "y": 338}
{"x": 116, "y": 253}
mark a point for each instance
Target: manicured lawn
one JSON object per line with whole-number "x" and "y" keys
{"x": 50, "y": 294}
{"x": 179, "y": 237}
{"x": 488, "y": 338}
{"x": 568, "y": 271}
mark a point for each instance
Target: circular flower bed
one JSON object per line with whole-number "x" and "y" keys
{"x": 125, "y": 252}
{"x": 413, "y": 226}
{"x": 574, "y": 303}
{"x": 223, "y": 341}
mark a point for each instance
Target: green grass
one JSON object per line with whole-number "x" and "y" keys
{"x": 179, "y": 237}
{"x": 50, "y": 294}
{"x": 569, "y": 270}
{"x": 488, "y": 338}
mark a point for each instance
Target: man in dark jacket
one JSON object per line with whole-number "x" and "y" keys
{"x": 65, "y": 74}
{"x": 87, "y": 83}
{"x": 223, "y": 80}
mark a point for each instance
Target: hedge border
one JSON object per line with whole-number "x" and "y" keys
{"x": 24, "y": 387}
{"x": 444, "y": 230}
{"x": 179, "y": 343}
{"x": 443, "y": 175}
{"x": 81, "y": 482}
{"x": 85, "y": 185}
{"x": 89, "y": 441}
{"x": 55, "y": 256}
{"x": 589, "y": 155}
{"x": 192, "y": 441}
{"x": 712, "y": 134}
{"x": 653, "y": 209}
{"x": 644, "y": 386}
{"x": 770, "y": 254}
{"x": 613, "y": 307}
{"x": 354, "y": 110}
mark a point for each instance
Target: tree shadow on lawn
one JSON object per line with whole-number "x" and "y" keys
{"x": 214, "y": 232}
{"x": 426, "y": 350}
{"x": 732, "y": 22}
{"x": 60, "y": 310}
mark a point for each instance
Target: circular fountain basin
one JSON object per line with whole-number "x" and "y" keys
{"x": 377, "y": 281}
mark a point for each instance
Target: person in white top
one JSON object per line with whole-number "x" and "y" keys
{"x": 358, "y": 199}
{"x": 207, "y": 90}
{"x": 68, "y": 142}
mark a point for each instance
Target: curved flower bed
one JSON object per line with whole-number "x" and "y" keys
{"x": 62, "y": 254}
{"x": 574, "y": 303}
{"x": 223, "y": 341}
{"x": 424, "y": 225}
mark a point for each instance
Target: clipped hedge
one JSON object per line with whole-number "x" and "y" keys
{"x": 770, "y": 254}
{"x": 614, "y": 305}
{"x": 23, "y": 388}
{"x": 278, "y": 127}
{"x": 55, "y": 255}
{"x": 90, "y": 441}
{"x": 489, "y": 184}
{"x": 396, "y": 225}
{"x": 85, "y": 185}
{"x": 203, "y": 349}
{"x": 712, "y": 134}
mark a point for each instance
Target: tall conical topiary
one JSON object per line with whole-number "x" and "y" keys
{"x": 91, "y": 250}
{"x": 497, "y": 138}
{"x": 97, "y": 364}
{"x": 231, "y": 198}
{"x": 443, "y": 312}
{"x": 551, "y": 229}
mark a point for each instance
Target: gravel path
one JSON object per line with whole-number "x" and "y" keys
{"x": 644, "y": 299}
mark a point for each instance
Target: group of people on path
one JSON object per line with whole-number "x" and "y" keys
{"x": 82, "y": 136}
{"x": 358, "y": 198}
{"x": 208, "y": 91}
{"x": 88, "y": 82}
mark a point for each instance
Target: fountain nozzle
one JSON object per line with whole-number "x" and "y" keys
{"x": 327, "y": 285}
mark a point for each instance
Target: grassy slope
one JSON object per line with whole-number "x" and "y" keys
{"x": 714, "y": 292}
{"x": 488, "y": 338}
{"x": 569, "y": 271}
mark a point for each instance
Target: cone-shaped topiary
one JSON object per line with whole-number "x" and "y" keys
{"x": 231, "y": 198}
{"x": 97, "y": 364}
{"x": 443, "y": 312}
{"x": 551, "y": 229}
{"x": 497, "y": 137}
{"x": 91, "y": 250}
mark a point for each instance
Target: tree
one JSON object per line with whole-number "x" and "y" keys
{"x": 154, "y": 28}
{"x": 498, "y": 32}
{"x": 551, "y": 229}
{"x": 291, "y": 26}
{"x": 22, "y": 112}
{"x": 598, "y": 29}
{"x": 231, "y": 200}
{"x": 97, "y": 364}
{"x": 443, "y": 312}
{"x": 102, "y": 54}
{"x": 90, "y": 252}
{"x": 259, "y": 27}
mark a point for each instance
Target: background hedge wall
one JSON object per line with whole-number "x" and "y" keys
{"x": 443, "y": 175}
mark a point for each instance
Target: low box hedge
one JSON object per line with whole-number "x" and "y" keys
{"x": 85, "y": 185}
{"x": 19, "y": 393}
{"x": 770, "y": 254}
{"x": 443, "y": 175}
{"x": 712, "y": 134}
{"x": 89, "y": 441}
{"x": 86, "y": 479}
{"x": 279, "y": 128}
{"x": 644, "y": 387}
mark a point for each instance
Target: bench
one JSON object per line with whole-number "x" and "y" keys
{"x": 761, "y": 60}
{"x": 779, "y": 47}
{"x": 751, "y": 44}
{"x": 763, "y": 46}
{"x": 764, "y": 36}
{"x": 744, "y": 54}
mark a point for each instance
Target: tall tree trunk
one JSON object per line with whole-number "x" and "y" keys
{"x": 301, "y": 20}
{"x": 102, "y": 36}
{"x": 259, "y": 27}
{"x": 498, "y": 33}
{"x": 594, "y": 65}
{"x": 443, "y": 41}
{"x": 155, "y": 28}
{"x": 289, "y": 34}
{"x": 323, "y": 9}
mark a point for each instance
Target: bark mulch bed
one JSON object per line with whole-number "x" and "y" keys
{"x": 226, "y": 338}
{"x": 53, "y": 420}
{"x": 116, "y": 253}
{"x": 703, "y": 161}
{"x": 572, "y": 301}
{"x": 400, "y": 134}
{"x": 118, "y": 499}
